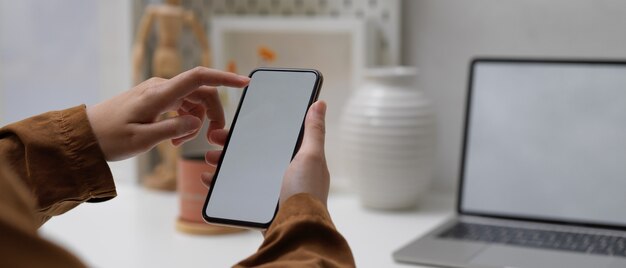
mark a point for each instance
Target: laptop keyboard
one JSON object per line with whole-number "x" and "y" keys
{"x": 569, "y": 241}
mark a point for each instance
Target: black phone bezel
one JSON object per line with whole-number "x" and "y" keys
{"x": 314, "y": 96}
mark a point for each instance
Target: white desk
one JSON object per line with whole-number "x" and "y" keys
{"x": 136, "y": 229}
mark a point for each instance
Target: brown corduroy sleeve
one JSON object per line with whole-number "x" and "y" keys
{"x": 49, "y": 164}
{"x": 302, "y": 235}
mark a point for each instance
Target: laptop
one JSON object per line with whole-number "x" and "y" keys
{"x": 543, "y": 169}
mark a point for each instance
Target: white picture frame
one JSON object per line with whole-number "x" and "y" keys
{"x": 336, "y": 47}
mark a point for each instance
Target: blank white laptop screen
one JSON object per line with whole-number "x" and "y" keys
{"x": 547, "y": 141}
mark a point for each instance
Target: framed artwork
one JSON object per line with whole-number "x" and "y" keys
{"x": 336, "y": 47}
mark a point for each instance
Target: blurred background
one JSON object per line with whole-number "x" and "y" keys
{"x": 57, "y": 54}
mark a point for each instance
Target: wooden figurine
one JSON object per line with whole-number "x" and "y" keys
{"x": 170, "y": 19}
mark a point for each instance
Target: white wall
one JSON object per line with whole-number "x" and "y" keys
{"x": 116, "y": 28}
{"x": 60, "y": 53}
{"x": 441, "y": 36}
{"x": 56, "y": 54}
{"x": 49, "y": 53}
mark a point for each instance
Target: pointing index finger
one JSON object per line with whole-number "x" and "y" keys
{"x": 186, "y": 82}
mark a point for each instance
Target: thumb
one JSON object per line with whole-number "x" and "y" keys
{"x": 170, "y": 128}
{"x": 314, "y": 128}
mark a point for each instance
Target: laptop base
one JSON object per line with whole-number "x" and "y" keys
{"x": 431, "y": 249}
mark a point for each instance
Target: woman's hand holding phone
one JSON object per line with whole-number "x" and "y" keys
{"x": 308, "y": 172}
{"x": 128, "y": 124}
{"x": 265, "y": 135}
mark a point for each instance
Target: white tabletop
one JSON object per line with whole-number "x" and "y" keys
{"x": 136, "y": 229}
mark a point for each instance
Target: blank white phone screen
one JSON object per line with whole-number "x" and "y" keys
{"x": 263, "y": 139}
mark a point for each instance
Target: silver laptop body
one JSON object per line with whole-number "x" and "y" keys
{"x": 543, "y": 170}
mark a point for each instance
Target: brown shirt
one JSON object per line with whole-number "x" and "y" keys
{"x": 52, "y": 162}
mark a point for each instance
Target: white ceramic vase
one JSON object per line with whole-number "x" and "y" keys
{"x": 387, "y": 134}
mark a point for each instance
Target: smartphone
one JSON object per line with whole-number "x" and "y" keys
{"x": 265, "y": 135}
